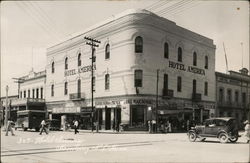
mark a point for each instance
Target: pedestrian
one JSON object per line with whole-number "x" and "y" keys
{"x": 247, "y": 130}
{"x": 150, "y": 127}
{"x": 43, "y": 127}
{"x": 76, "y": 126}
{"x": 10, "y": 124}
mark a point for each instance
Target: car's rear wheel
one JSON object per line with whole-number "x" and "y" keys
{"x": 223, "y": 137}
{"x": 233, "y": 139}
{"x": 192, "y": 136}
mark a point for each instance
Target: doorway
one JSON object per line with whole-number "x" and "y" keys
{"x": 107, "y": 118}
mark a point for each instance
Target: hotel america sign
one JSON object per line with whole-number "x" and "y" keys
{"x": 182, "y": 67}
{"x": 79, "y": 70}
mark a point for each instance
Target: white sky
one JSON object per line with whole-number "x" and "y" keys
{"x": 27, "y": 25}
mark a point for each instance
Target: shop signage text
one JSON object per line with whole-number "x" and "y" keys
{"x": 79, "y": 70}
{"x": 182, "y": 67}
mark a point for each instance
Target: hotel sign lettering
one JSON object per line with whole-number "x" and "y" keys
{"x": 79, "y": 70}
{"x": 182, "y": 67}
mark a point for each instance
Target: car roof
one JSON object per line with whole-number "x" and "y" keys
{"x": 221, "y": 118}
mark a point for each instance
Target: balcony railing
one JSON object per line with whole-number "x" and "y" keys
{"x": 167, "y": 93}
{"x": 196, "y": 97}
{"x": 77, "y": 96}
{"x": 24, "y": 101}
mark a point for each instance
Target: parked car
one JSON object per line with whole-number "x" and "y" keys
{"x": 223, "y": 128}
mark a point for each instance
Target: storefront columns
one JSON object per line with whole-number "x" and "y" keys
{"x": 63, "y": 122}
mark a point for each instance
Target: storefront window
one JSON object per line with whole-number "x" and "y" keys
{"x": 137, "y": 116}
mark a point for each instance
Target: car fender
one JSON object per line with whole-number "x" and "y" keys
{"x": 222, "y": 131}
{"x": 192, "y": 131}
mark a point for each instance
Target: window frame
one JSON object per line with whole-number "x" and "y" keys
{"x": 179, "y": 84}
{"x": 107, "y": 51}
{"x": 179, "y": 54}
{"x": 65, "y": 88}
{"x": 194, "y": 59}
{"x": 138, "y": 78}
{"x": 107, "y": 81}
{"x": 138, "y": 44}
{"x": 166, "y": 50}
{"x": 52, "y": 90}
{"x": 79, "y": 60}
{"x": 206, "y": 89}
{"x": 66, "y": 66}
{"x": 53, "y": 67}
{"x": 206, "y": 62}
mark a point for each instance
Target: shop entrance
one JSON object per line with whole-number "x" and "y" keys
{"x": 107, "y": 118}
{"x": 138, "y": 116}
{"x": 117, "y": 118}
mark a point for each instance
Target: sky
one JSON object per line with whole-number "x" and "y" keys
{"x": 28, "y": 28}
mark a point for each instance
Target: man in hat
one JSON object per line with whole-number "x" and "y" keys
{"x": 247, "y": 130}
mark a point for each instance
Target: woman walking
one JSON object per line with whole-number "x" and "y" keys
{"x": 247, "y": 130}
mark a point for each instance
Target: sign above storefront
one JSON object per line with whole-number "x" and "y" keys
{"x": 79, "y": 70}
{"x": 182, "y": 67}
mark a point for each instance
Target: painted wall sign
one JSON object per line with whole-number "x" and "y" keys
{"x": 79, "y": 70}
{"x": 180, "y": 66}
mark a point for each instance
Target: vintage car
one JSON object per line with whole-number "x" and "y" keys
{"x": 223, "y": 128}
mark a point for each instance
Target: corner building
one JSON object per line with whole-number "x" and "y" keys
{"x": 136, "y": 45}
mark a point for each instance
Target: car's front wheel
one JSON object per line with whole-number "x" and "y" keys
{"x": 233, "y": 139}
{"x": 192, "y": 136}
{"x": 223, "y": 137}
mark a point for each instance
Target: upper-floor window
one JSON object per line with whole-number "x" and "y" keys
{"x": 107, "y": 81}
{"x": 78, "y": 87}
{"x": 138, "y": 78}
{"x": 21, "y": 94}
{"x": 244, "y": 98}
{"x": 236, "y": 96}
{"x": 166, "y": 50}
{"x": 107, "y": 51}
{"x": 221, "y": 95}
{"x": 65, "y": 88}
{"x": 206, "y": 89}
{"x": 53, "y": 67}
{"x": 79, "y": 59}
{"x": 37, "y": 93}
{"x": 194, "y": 86}
{"x": 229, "y": 95}
{"x": 66, "y": 63}
{"x": 165, "y": 82}
{"x": 179, "y": 54}
{"x": 194, "y": 59}
{"x": 52, "y": 90}
{"x": 206, "y": 62}
{"x": 24, "y": 94}
{"x": 138, "y": 44}
{"x": 33, "y": 93}
{"x": 179, "y": 83}
{"x": 41, "y": 93}
{"x": 28, "y": 93}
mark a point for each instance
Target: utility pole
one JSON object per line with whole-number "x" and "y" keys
{"x": 6, "y": 108}
{"x": 93, "y": 43}
{"x": 156, "y": 108}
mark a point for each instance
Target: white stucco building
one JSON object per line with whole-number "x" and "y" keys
{"x": 135, "y": 45}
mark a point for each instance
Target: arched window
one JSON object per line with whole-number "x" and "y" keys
{"x": 194, "y": 59}
{"x": 166, "y": 50}
{"x": 107, "y": 51}
{"x": 138, "y": 78}
{"x": 52, "y": 90}
{"x": 206, "y": 62}
{"x": 206, "y": 89}
{"x": 78, "y": 87}
{"x": 53, "y": 67}
{"x": 65, "y": 88}
{"x": 79, "y": 61}
{"x": 179, "y": 54}
{"x": 179, "y": 84}
{"x": 138, "y": 44}
{"x": 66, "y": 63}
{"x": 107, "y": 82}
{"x": 194, "y": 86}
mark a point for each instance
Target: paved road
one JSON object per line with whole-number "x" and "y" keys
{"x": 89, "y": 147}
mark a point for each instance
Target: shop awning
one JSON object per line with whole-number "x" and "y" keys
{"x": 173, "y": 111}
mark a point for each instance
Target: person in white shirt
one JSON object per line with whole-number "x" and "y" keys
{"x": 43, "y": 127}
{"x": 76, "y": 126}
{"x": 10, "y": 123}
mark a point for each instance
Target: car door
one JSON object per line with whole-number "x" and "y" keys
{"x": 210, "y": 128}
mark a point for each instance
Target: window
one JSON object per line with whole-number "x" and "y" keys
{"x": 165, "y": 84}
{"x": 66, "y": 63}
{"x": 24, "y": 94}
{"x": 65, "y": 88}
{"x": 179, "y": 84}
{"x": 206, "y": 89}
{"x": 52, "y": 90}
{"x": 138, "y": 44}
{"x": 93, "y": 83}
{"x": 79, "y": 61}
{"x": 33, "y": 93}
{"x": 236, "y": 96}
{"x": 53, "y": 67}
{"x": 138, "y": 78}
{"x": 37, "y": 93}
{"x": 107, "y": 51}
{"x": 28, "y": 93}
{"x": 179, "y": 54}
{"x": 41, "y": 93}
{"x": 107, "y": 82}
{"x": 194, "y": 86}
{"x": 221, "y": 95}
{"x": 166, "y": 50}
{"x": 78, "y": 87}
{"x": 206, "y": 62}
{"x": 21, "y": 94}
{"x": 194, "y": 59}
{"x": 244, "y": 98}
{"x": 229, "y": 96}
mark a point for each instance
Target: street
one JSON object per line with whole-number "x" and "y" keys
{"x": 60, "y": 146}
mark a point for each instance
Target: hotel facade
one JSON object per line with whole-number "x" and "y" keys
{"x": 144, "y": 66}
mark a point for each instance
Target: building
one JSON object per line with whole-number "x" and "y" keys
{"x": 11, "y": 111}
{"x": 145, "y": 64}
{"x": 232, "y": 94}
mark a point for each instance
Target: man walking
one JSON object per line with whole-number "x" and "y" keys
{"x": 43, "y": 127}
{"x": 10, "y": 123}
{"x": 76, "y": 126}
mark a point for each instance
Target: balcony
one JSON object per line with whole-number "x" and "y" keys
{"x": 77, "y": 96}
{"x": 168, "y": 93}
{"x": 196, "y": 97}
{"x": 27, "y": 101}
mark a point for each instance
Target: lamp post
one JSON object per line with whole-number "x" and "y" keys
{"x": 6, "y": 108}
